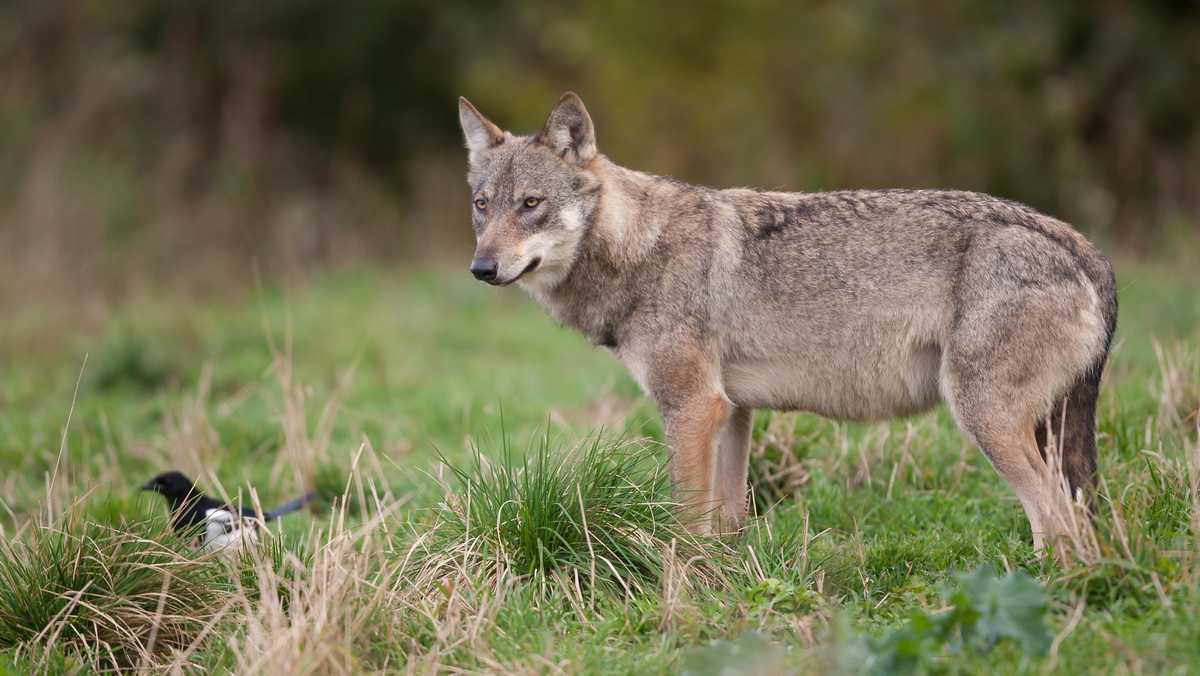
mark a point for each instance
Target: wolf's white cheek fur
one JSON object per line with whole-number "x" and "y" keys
{"x": 556, "y": 248}
{"x": 571, "y": 219}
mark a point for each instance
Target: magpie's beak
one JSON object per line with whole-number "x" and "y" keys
{"x": 148, "y": 486}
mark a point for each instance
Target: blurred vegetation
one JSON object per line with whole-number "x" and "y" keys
{"x": 185, "y": 142}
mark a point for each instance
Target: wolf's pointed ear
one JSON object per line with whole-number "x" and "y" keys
{"x": 569, "y": 130}
{"x": 479, "y": 131}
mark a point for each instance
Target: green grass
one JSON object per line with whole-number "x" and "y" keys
{"x": 599, "y": 517}
{"x": 477, "y": 512}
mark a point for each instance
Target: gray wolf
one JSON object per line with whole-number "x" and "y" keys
{"x": 857, "y": 305}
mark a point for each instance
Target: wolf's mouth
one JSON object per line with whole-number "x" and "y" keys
{"x": 533, "y": 264}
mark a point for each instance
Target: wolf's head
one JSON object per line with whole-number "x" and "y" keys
{"x": 531, "y": 196}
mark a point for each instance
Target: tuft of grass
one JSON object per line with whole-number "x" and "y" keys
{"x": 271, "y": 568}
{"x": 117, "y": 595}
{"x": 320, "y": 606}
{"x": 596, "y": 517}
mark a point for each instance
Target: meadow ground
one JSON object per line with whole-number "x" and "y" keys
{"x": 491, "y": 499}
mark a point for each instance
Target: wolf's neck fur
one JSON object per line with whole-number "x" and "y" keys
{"x": 623, "y": 222}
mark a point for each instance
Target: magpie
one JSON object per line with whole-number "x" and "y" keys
{"x": 214, "y": 524}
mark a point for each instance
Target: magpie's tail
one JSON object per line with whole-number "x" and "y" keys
{"x": 289, "y": 507}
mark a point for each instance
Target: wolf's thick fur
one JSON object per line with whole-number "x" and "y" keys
{"x": 861, "y": 305}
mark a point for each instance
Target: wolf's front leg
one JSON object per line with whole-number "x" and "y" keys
{"x": 694, "y": 427}
{"x": 732, "y": 465}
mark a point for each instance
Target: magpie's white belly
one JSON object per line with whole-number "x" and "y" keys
{"x": 225, "y": 531}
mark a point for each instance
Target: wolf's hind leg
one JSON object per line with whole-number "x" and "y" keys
{"x": 1018, "y": 460}
{"x": 1004, "y": 430}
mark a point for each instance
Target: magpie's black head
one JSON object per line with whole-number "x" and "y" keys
{"x": 174, "y": 486}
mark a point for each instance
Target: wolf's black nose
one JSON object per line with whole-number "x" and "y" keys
{"x": 484, "y": 269}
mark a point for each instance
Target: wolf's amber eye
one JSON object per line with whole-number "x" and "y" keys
{"x": 532, "y": 202}
{"x": 481, "y": 204}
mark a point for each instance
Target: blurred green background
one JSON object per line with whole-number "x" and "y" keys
{"x": 183, "y": 144}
